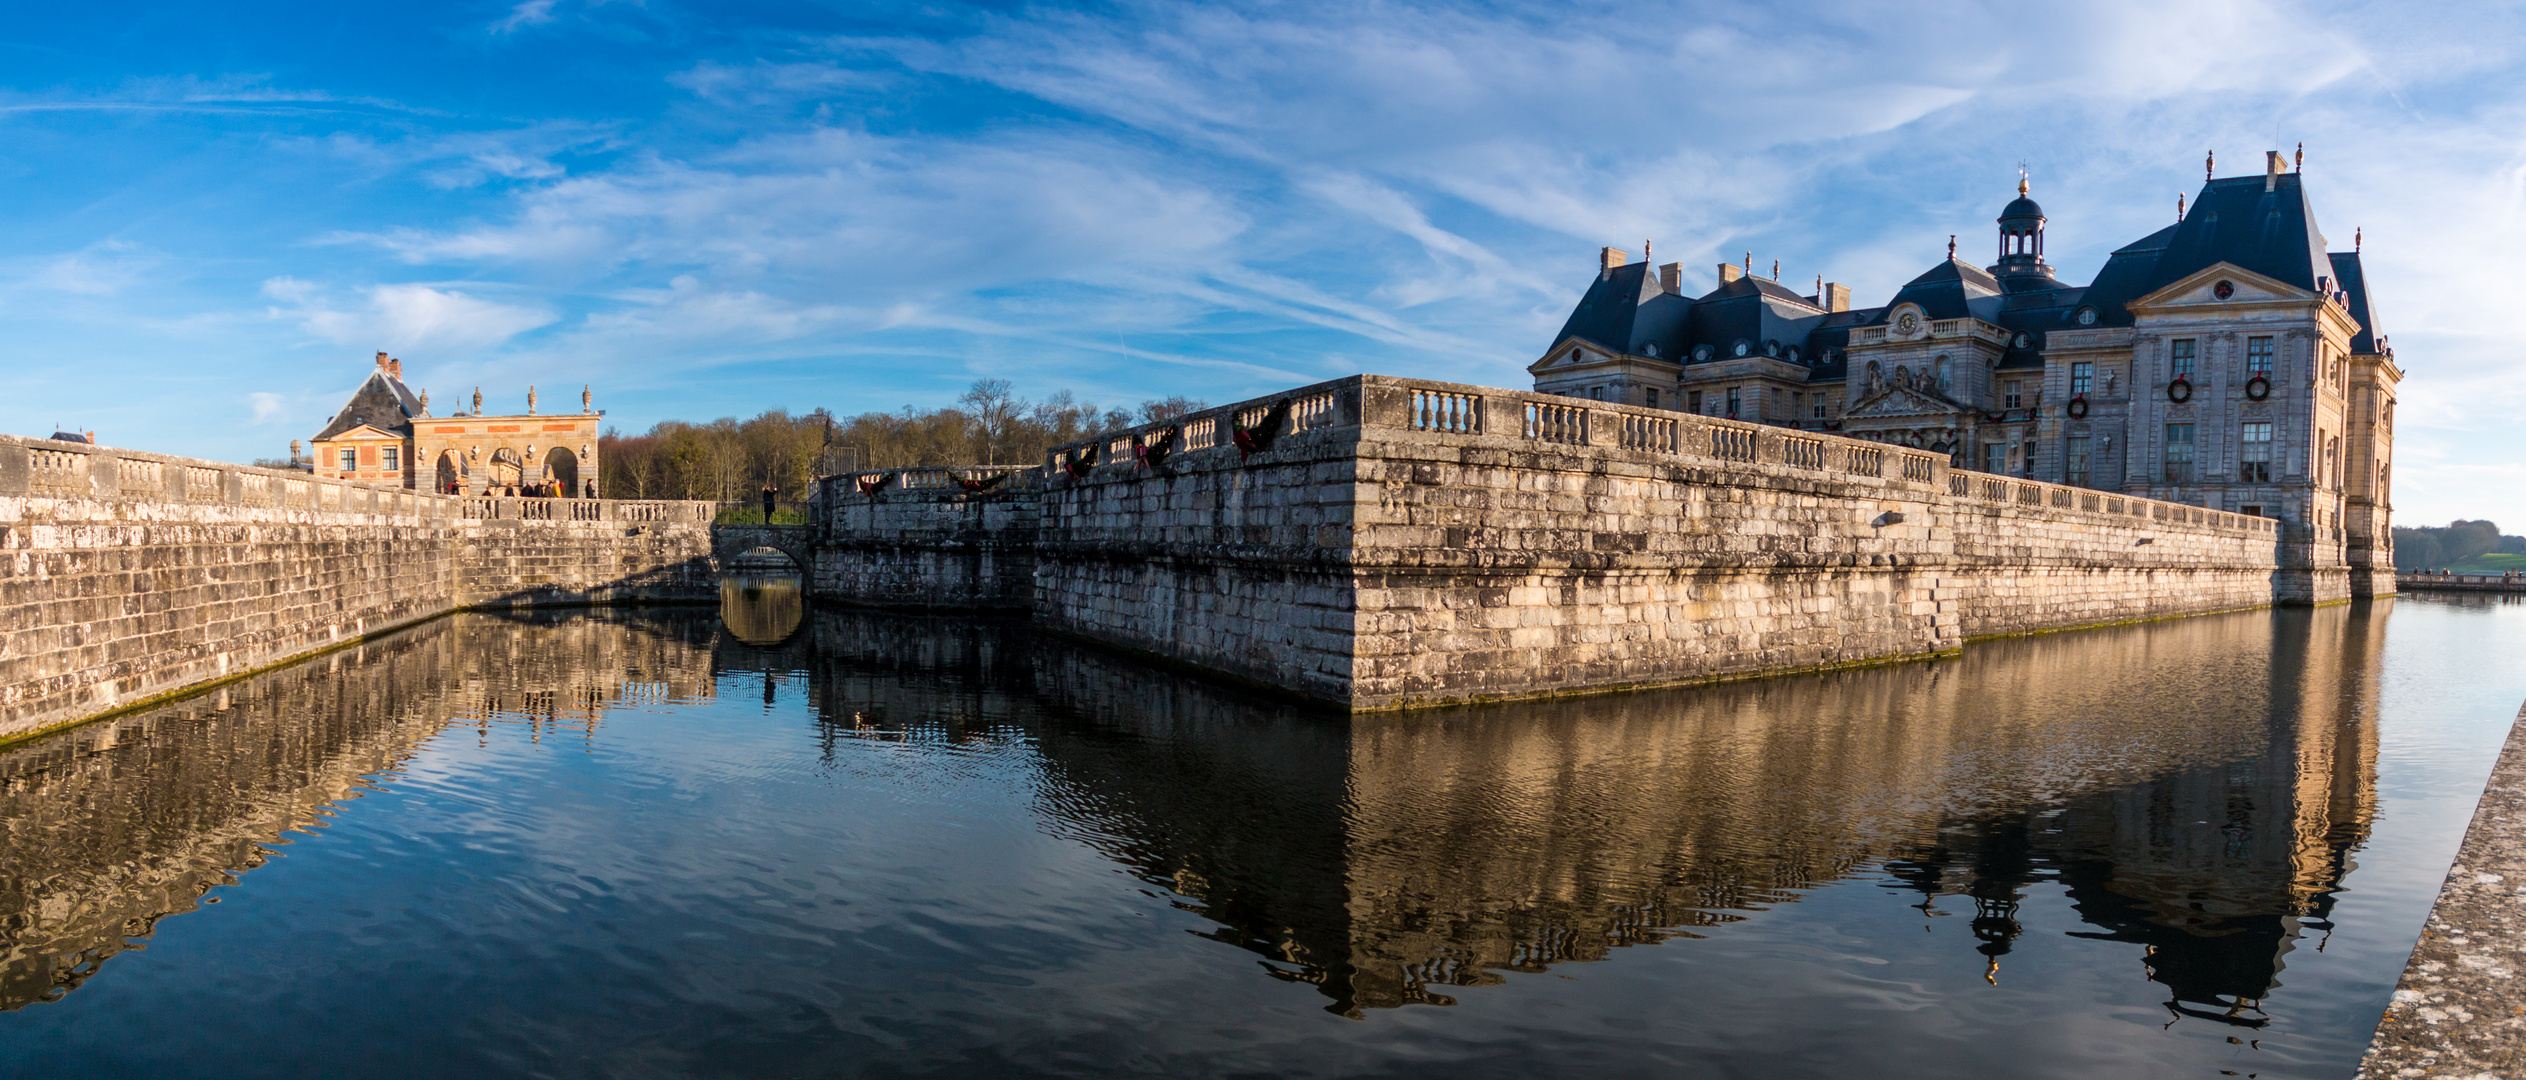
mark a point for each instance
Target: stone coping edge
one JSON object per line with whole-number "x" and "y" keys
{"x": 2459, "y": 1012}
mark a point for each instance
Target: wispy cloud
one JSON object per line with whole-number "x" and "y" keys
{"x": 404, "y": 318}
{"x": 525, "y": 14}
{"x": 1213, "y": 197}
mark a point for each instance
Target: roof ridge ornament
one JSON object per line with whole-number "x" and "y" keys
{"x": 2209, "y": 163}
{"x": 2355, "y": 233}
{"x": 2179, "y": 208}
{"x": 2300, "y": 165}
{"x": 1951, "y": 245}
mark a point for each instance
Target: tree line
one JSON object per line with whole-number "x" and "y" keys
{"x": 2429, "y": 548}
{"x": 731, "y": 460}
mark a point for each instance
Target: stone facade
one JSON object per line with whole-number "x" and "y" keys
{"x": 2227, "y": 361}
{"x": 385, "y": 434}
{"x": 1382, "y": 543}
{"x": 129, "y": 576}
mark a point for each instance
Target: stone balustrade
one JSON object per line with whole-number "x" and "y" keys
{"x": 128, "y": 576}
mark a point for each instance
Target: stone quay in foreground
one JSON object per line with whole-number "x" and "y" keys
{"x": 2455, "y": 1012}
{"x": 129, "y": 577}
{"x": 1378, "y": 543}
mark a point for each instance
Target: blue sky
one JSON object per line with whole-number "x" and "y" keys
{"x": 213, "y": 218}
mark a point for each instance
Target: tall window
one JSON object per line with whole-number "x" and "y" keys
{"x": 2075, "y": 449}
{"x": 1693, "y": 402}
{"x": 2179, "y": 453}
{"x": 2082, "y": 376}
{"x": 2181, "y": 364}
{"x": 1653, "y": 397}
{"x": 390, "y": 459}
{"x": 1819, "y": 406}
{"x": 2258, "y": 357}
{"x": 350, "y": 461}
{"x": 2009, "y": 393}
{"x": 1995, "y": 457}
{"x": 2254, "y": 453}
{"x": 1734, "y": 400}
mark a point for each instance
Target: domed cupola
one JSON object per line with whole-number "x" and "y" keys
{"x": 2021, "y": 238}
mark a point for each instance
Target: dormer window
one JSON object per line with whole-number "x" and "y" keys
{"x": 1651, "y": 350}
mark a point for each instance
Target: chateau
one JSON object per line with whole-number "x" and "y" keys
{"x": 2227, "y": 361}
{"x": 385, "y": 435}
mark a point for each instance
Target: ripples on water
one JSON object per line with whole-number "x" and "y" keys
{"x": 645, "y": 843}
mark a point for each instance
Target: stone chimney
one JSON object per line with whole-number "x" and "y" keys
{"x": 1609, "y": 258}
{"x": 1728, "y": 272}
{"x": 2271, "y": 169}
{"x": 391, "y": 366}
{"x": 1837, "y": 296}
{"x": 1671, "y": 277}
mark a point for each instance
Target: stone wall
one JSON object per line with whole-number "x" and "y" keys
{"x": 126, "y": 576}
{"x": 928, "y": 538}
{"x": 584, "y": 551}
{"x": 1407, "y": 543}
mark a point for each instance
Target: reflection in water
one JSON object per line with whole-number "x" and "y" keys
{"x": 2196, "y": 786}
{"x": 761, "y": 607}
{"x": 116, "y": 825}
{"x": 2192, "y": 788}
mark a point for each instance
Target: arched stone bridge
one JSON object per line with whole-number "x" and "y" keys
{"x": 796, "y": 541}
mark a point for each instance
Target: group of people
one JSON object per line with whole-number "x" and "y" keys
{"x": 541, "y": 489}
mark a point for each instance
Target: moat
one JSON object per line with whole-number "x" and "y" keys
{"x": 772, "y": 840}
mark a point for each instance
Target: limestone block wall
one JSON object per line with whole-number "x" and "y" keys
{"x": 1413, "y": 543}
{"x": 927, "y": 538}
{"x": 1175, "y": 541}
{"x": 519, "y": 552}
{"x": 126, "y": 576}
{"x": 2031, "y": 557}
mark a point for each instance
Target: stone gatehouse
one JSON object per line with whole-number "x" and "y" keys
{"x": 385, "y": 434}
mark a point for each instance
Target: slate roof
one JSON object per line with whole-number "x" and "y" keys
{"x": 1625, "y": 310}
{"x": 2272, "y": 233}
{"x": 1753, "y": 310}
{"x": 383, "y": 401}
{"x": 2346, "y": 269}
{"x": 1951, "y": 290}
{"x": 2128, "y": 275}
{"x": 2234, "y": 220}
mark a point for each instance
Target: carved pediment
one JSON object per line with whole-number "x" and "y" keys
{"x": 2204, "y": 286}
{"x": 1898, "y": 401}
{"x": 366, "y": 431}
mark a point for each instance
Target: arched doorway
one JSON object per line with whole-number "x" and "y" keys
{"x": 507, "y": 469}
{"x": 451, "y": 473}
{"x": 562, "y": 467}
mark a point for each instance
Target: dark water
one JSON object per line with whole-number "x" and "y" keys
{"x": 641, "y": 843}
